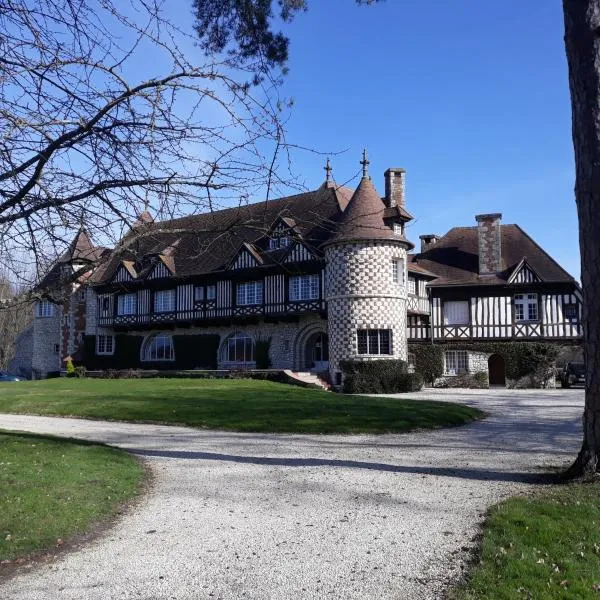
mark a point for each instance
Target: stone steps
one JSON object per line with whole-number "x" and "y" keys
{"x": 313, "y": 378}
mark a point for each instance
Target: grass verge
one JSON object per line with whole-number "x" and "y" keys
{"x": 542, "y": 547}
{"x": 238, "y": 405}
{"x": 52, "y": 489}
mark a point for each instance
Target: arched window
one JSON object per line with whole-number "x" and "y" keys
{"x": 159, "y": 347}
{"x": 239, "y": 348}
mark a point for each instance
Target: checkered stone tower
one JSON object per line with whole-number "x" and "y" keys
{"x": 365, "y": 273}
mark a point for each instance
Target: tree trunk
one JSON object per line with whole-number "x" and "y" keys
{"x": 582, "y": 42}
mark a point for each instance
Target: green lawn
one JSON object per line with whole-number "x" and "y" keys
{"x": 51, "y": 489}
{"x": 239, "y": 405}
{"x": 540, "y": 548}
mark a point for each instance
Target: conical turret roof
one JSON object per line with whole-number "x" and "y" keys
{"x": 81, "y": 248}
{"x": 363, "y": 218}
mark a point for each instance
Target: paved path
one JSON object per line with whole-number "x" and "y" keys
{"x": 270, "y": 517}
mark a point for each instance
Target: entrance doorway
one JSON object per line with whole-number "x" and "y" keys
{"x": 317, "y": 352}
{"x": 497, "y": 370}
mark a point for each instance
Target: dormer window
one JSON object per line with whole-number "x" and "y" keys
{"x": 279, "y": 242}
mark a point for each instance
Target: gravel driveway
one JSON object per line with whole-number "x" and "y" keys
{"x": 239, "y": 516}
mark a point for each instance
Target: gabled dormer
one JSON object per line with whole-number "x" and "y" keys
{"x": 524, "y": 273}
{"x": 247, "y": 257}
{"x": 125, "y": 272}
{"x": 282, "y": 234}
{"x": 164, "y": 266}
{"x": 300, "y": 252}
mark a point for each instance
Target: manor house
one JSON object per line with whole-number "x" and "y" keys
{"x": 299, "y": 283}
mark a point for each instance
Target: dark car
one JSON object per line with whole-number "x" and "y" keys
{"x": 4, "y": 376}
{"x": 573, "y": 373}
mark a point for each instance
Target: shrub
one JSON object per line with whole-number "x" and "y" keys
{"x": 480, "y": 379}
{"x": 80, "y": 371}
{"x": 69, "y": 367}
{"x": 429, "y": 361}
{"x": 375, "y": 376}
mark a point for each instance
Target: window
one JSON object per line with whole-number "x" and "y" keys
{"x": 526, "y": 307}
{"x": 211, "y": 292}
{"x": 570, "y": 311}
{"x": 66, "y": 321}
{"x": 82, "y": 295}
{"x": 279, "y": 242}
{"x": 127, "y": 304}
{"x": 304, "y": 287}
{"x": 105, "y": 304}
{"x": 249, "y": 293}
{"x": 456, "y": 362}
{"x": 456, "y": 312}
{"x": 199, "y": 293}
{"x": 105, "y": 344}
{"x": 164, "y": 301}
{"x": 412, "y": 285}
{"x": 239, "y": 348}
{"x": 45, "y": 308}
{"x": 398, "y": 272}
{"x": 374, "y": 341}
{"x": 159, "y": 347}
{"x": 56, "y": 348}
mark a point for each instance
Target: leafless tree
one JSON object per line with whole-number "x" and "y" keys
{"x": 15, "y": 314}
{"x": 108, "y": 107}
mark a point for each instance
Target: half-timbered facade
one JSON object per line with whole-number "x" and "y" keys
{"x": 318, "y": 278}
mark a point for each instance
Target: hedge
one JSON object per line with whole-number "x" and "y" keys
{"x": 429, "y": 361}
{"x": 379, "y": 377}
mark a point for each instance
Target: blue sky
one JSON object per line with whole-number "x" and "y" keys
{"x": 470, "y": 97}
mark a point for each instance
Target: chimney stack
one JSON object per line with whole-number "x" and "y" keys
{"x": 394, "y": 187}
{"x": 489, "y": 243}
{"x": 427, "y": 241}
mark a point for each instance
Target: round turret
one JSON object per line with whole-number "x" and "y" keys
{"x": 366, "y": 283}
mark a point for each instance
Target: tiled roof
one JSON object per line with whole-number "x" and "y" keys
{"x": 455, "y": 260}
{"x": 208, "y": 242}
{"x": 364, "y": 217}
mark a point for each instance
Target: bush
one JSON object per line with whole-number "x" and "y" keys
{"x": 80, "y": 371}
{"x": 429, "y": 361}
{"x": 376, "y": 376}
{"x": 69, "y": 367}
{"x": 477, "y": 380}
{"x": 480, "y": 379}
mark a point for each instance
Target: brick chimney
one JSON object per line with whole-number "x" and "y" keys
{"x": 489, "y": 243}
{"x": 427, "y": 241}
{"x": 394, "y": 187}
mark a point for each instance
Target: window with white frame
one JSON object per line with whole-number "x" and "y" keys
{"x": 105, "y": 344}
{"x": 211, "y": 292}
{"x": 127, "y": 304}
{"x": 199, "y": 293}
{"x": 455, "y": 362}
{"x": 279, "y": 242}
{"x": 374, "y": 341}
{"x": 249, "y": 293}
{"x": 164, "y": 301}
{"x": 412, "y": 285}
{"x": 45, "y": 308}
{"x": 158, "y": 347}
{"x": 239, "y": 348}
{"x": 398, "y": 271}
{"x": 526, "y": 307}
{"x": 304, "y": 287}
{"x": 456, "y": 312}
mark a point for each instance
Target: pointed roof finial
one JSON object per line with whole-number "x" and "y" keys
{"x": 328, "y": 170}
{"x": 365, "y": 164}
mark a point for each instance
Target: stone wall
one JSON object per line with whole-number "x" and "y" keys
{"x": 46, "y": 340}
{"x": 21, "y": 362}
{"x": 361, "y": 294}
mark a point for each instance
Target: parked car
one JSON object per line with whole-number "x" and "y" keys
{"x": 4, "y": 376}
{"x": 573, "y": 373}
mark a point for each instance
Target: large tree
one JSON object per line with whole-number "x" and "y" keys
{"x": 244, "y": 28}
{"x": 108, "y": 107}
